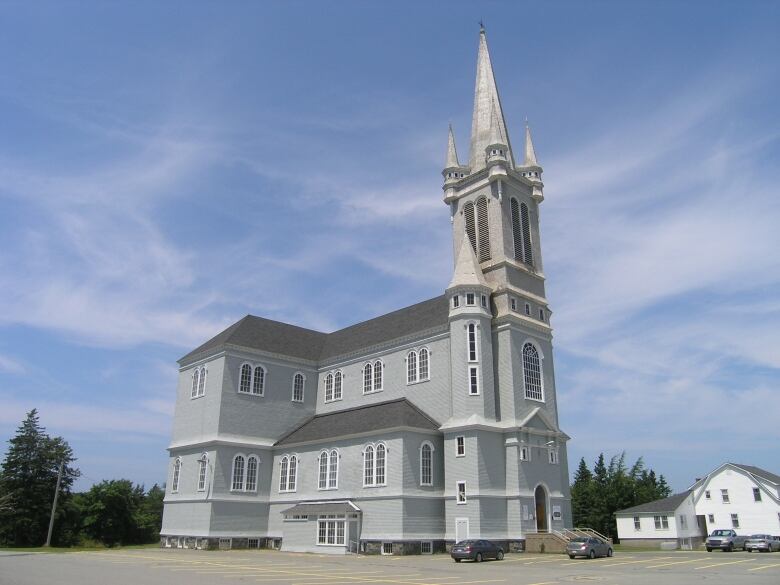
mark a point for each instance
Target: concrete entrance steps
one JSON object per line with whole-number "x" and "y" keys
{"x": 545, "y": 542}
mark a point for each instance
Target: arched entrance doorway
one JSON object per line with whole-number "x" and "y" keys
{"x": 540, "y": 495}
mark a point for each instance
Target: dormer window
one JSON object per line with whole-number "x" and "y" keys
{"x": 470, "y": 299}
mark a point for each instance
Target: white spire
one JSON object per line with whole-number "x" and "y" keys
{"x": 496, "y": 137}
{"x": 467, "y": 270}
{"x": 530, "y": 154}
{"x": 452, "y": 154}
{"x": 485, "y": 100}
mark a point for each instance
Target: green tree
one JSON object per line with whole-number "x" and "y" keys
{"x": 109, "y": 511}
{"x": 28, "y": 478}
{"x": 582, "y": 495}
{"x": 149, "y": 517}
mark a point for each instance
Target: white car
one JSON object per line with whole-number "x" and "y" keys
{"x": 762, "y": 542}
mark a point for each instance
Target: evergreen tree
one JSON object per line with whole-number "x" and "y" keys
{"x": 582, "y": 495}
{"x": 28, "y": 477}
{"x": 664, "y": 491}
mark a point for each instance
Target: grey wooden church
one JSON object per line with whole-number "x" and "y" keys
{"x": 403, "y": 433}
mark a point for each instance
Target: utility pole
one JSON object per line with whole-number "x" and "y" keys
{"x": 54, "y": 505}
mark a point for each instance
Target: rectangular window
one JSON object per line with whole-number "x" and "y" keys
{"x": 483, "y": 301}
{"x": 524, "y": 454}
{"x": 426, "y": 547}
{"x": 661, "y": 522}
{"x": 253, "y": 543}
{"x": 470, "y": 299}
{"x": 461, "y": 492}
{"x": 513, "y": 304}
{"x": 528, "y": 309}
{"x": 455, "y": 301}
{"x": 711, "y": 518}
{"x": 553, "y": 457}
{"x": 225, "y": 543}
{"x": 202, "y": 467}
{"x": 473, "y": 380}
{"x": 683, "y": 522}
{"x": 756, "y": 495}
{"x": 707, "y": 495}
{"x": 724, "y": 494}
{"x": 735, "y": 520}
{"x": 637, "y": 523}
{"x": 330, "y": 530}
{"x": 472, "y": 341}
{"x": 541, "y": 314}
{"x": 387, "y": 548}
{"x": 460, "y": 450}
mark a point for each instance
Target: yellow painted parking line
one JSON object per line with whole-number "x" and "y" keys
{"x": 725, "y": 563}
{"x": 762, "y": 567}
{"x": 635, "y": 562}
{"x": 676, "y": 563}
{"x": 544, "y": 583}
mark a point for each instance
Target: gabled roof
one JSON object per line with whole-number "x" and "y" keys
{"x": 758, "y": 472}
{"x": 362, "y": 419}
{"x": 467, "y": 271}
{"x": 667, "y": 505}
{"x": 297, "y": 342}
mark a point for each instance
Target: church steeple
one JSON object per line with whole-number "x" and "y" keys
{"x": 530, "y": 153}
{"x": 453, "y": 171}
{"x": 487, "y": 105}
{"x": 531, "y": 169}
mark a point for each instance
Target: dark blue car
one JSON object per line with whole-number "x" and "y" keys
{"x": 476, "y": 550}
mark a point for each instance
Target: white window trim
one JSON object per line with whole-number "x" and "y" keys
{"x": 252, "y": 368}
{"x": 637, "y": 521}
{"x": 458, "y": 492}
{"x": 552, "y": 458}
{"x": 383, "y": 548}
{"x": 541, "y": 370}
{"x": 428, "y": 542}
{"x": 468, "y": 381}
{"x": 176, "y": 477}
{"x": 374, "y": 482}
{"x": 433, "y": 450}
{"x": 418, "y": 379}
{"x": 525, "y": 453}
{"x": 477, "y": 344}
{"x": 333, "y": 389}
{"x": 203, "y": 463}
{"x": 233, "y": 473}
{"x": 288, "y": 457}
{"x": 198, "y": 388}
{"x": 328, "y": 452}
{"x": 246, "y": 473}
{"x": 335, "y": 520}
{"x": 373, "y": 386}
{"x": 473, "y": 302}
{"x": 457, "y": 453}
{"x": 725, "y": 498}
{"x": 303, "y": 388}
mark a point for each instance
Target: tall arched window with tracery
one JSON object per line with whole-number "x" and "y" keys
{"x": 368, "y": 378}
{"x": 323, "y": 472}
{"x": 517, "y": 230}
{"x": 426, "y": 464}
{"x": 203, "y": 465}
{"x": 424, "y": 361}
{"x": 532, "y": 372}
{"x": 298, "y": 383}
{"x": 328, "y": 387}
{"x": 333, "y": 469}
{"x": 202, "y": 382}
{"x": 292, "y": 477}
{"x": 411, "y": 367}
{"x": 258, "y": 386}
{"x": 195, "y": 383}
{"x": 368, "y": 466}
{"x": 283, "y": 466}
{"x": 378, "y": 368}
{"x": 337, "y": 381}
{"x": 237, "y": 484}
{"x": 245, "y": 383}
{"x": 483, "y": 229}
{"x": 381, "y": 458}
{"x": 528, "y": 254}
{"x": 251, "y": 474}
{"x": 176, "y": 475}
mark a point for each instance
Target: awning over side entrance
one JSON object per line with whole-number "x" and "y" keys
{"x": 322, "y": 508}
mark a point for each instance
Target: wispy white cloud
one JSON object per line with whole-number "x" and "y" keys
{"x": 10, "y": 365}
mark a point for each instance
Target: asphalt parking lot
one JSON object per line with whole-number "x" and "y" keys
{"x": 191, "y": 567}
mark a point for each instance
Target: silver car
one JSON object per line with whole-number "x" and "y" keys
{"x": 589, "y": 547}
{"x": 762, "y": 542}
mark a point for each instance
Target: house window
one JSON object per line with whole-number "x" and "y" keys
{"x": 368, "y": 466}
{"x": 461, "y": 492}
{"x": 238, "y": 473}
{"x": 298, "y": 383}
{"x": 711, "y": 518}
{"x": 372, "y": 377}
{"x": 330, "y": 530}
{"x": 381, "y": 452}
{"x": 473, "y": 380}
{"x": 637, "y": 523}
{"x": 683, "y": 521}
{"x": 735, "y": 520}
{"x": 252, "y": 380}
{"x": 513, "y": 304}
{"x": 528, "y": 309}
{"x": 253, "y": 543}
{"x": 333, "y": 382}
{"x": 374, "y": 459}
{"x": 756, "y": 494}
{"x": 724, "y": 494}
{"x": 553, "y": 457}
{"x": 176, "y": 475}
{"x": 225, "y": 543}
{"x": 524, "y": 454}
{"x": 328, "y": 387}
{"x": 483, "y": 301}
{"x": 251, "y": 474}
{"x": 378, "y": 369}
{"x": 387, "y": 548}
{"x": 203, "y": 463}
{"x": 661, "y": 522}
{"x": 532, "y": 374}
{"x": 472, "y": 341}
{"x": 258, "y": 384}
{"x": 426, "y": 464}
{"x": 198, "y": 382}
{"x": 707, "y": 495}
{"x": 426, "y": 547}
{"x": 455, "y": 301}
{"x": 411, "y": 367}
{"x": 288, "y": 470}
{"x": 328, "y": 470}
{"x": 245, "y": 385}
{"x": 470, "y": 299}
{"x": 337, "y": 381}
{"x": 424, "y": 364}
{"x": 460, "y": 449}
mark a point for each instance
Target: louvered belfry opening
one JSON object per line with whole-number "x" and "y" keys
{"x": 517, "y": 233}
{"x": 483, "y": 229}
{"x": 471, "y": 228}
{"x": 529, "y": 254}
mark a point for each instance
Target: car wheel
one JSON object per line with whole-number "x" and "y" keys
{"x": 709, "y": 549}
{"x": 609, "y": 552}
{"x": 478, "y": 558}
{"x": 730, "y": 548}
{"x": 571, "y": 556}
{"x": 592, "y": 554}
{"x": 500, "y": 556}
{"x": 456, "y": 560}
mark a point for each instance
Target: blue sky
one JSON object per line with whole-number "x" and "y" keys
{"x": 166, "y": 168}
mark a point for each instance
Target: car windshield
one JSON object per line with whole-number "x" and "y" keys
{"x": 721, "y": 533}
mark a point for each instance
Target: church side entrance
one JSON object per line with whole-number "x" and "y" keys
{"x": 540, "y": 495}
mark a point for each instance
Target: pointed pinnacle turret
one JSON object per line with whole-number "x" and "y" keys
{"x": 530, "y": 153}
{"x": 496, "y": 137}
{"x": 452, "y": 154}
{"x": 467, "y": 271}
{"x": 486, "y": 98}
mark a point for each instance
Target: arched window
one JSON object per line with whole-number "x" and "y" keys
{"x": 532, "y": 374}
{"x": 333, "y": 469}
{"x": 517, "y": 232}
{"x": 471, "y": 228}
{"x": 337, "y": 385}
{"x": 426, "y": 464}
{"x": 238, "y": 473}
{"x": 292, "y": 478}
{"x": 328, "y": 387}
{"x": 298, "y": 383}
{"x": 283, "y": 467}
{"x": 472, "y": 342}
{"x": 424, "y": 371}
{"x": 245, "y": 384}
{"x": 203, "y": 464}
{"x": 379, "y": 474}
{"x": 368, "y": 378}
{"x": 528, "y": 254}
{"x": 368, "y": 466}
{"x": 195, "y": 383}
{"x": 411, "y": 367}
{"x": 202, "y": 382}
{"x": 251, "y": 474}
{"x": 258, "y": 387}
{"x": 176, "y": 475}
{"x": 378, "y": 367}
{"x": 323, "y": 475}
{"x": 483, "y": 230}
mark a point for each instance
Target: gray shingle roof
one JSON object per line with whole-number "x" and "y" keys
{"x": 298, "y": 342}
{"x": 668, "y": 505}
{"x": 362, "y": 419}
{"x": 759, "y": 472}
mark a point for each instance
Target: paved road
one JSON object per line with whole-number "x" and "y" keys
{"x": 189, "y": 567}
